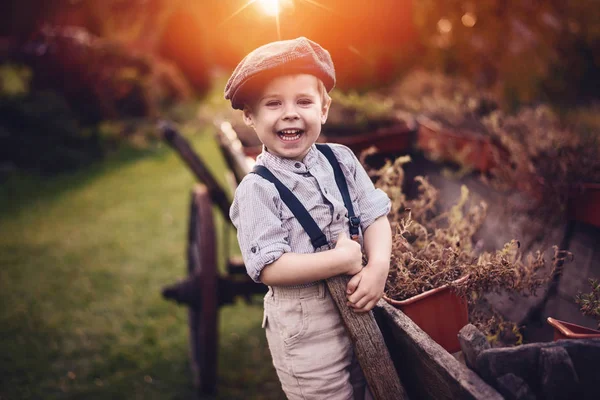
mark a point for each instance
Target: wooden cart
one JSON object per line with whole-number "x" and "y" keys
{"x": 426, "y": 370}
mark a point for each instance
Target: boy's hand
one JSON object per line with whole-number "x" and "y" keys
{"x": 366, "y": 287}
{"x": 351, "y": 251}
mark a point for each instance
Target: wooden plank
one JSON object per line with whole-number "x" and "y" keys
{"x": 426, "y": 369}
{"x": 233, "y": 151}
{"x": 370, "y": 348}
{"x": 198, "y": 167}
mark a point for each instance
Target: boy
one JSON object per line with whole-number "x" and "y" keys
{"x": 282, "y": 89}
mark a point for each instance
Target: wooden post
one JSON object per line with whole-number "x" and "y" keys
{"x": 178, "y": 142}
{"x": 371, "y": 351}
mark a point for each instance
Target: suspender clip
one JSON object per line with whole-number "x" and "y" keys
{"x": 354, "y": 222}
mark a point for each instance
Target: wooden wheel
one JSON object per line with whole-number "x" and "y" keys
{"x": 202, "y": 271}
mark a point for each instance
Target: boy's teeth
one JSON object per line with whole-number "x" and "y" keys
{"x": 290, "y": 134}
{"x": 290, "y": 137}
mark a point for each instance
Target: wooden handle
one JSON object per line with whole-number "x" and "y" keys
{"x": 370, "y": 348}
{"x": 197, "y": 166}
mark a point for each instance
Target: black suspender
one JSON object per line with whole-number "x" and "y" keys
{"x": 317, "y": 237}
{"x": 343, "y": 186}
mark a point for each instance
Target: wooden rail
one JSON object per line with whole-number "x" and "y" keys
{"x": 427, "y": 370}
{"x": 199, "y": 169}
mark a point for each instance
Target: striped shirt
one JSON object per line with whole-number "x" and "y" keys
{"x": 266, "y": 227}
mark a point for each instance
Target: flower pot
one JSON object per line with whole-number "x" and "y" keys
{"x": 460, "y": 146}
{"x": 584, "y": 204}
{"x": 388, "y": 139}
{"x": 440, "y": 312}
{"x": 567, "y": 330}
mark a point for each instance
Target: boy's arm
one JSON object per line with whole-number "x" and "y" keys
{"x": 296, "y": 269}
{"x": 366, "y": 288}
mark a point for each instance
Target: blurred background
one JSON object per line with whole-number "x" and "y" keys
{"x": 94, "y": 207}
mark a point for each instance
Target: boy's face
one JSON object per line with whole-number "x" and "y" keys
{"x": 288, "y": 114}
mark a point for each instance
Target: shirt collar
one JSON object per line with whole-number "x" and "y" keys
{"x": 274, "y": 162}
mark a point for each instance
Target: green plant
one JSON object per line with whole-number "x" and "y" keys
{"x": 352, "y": 112}
{"x": 589, "y": 303}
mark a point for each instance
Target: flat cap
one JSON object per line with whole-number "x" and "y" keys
{"x": 299, "y": 55}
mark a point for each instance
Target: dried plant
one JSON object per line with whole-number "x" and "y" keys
{"x": 589, "y": 303}
{"x": 451, "y": 101}
{"x": 498, "y": 331}
{"x": 433, "y": 247}
{"x": 547, "y": 158}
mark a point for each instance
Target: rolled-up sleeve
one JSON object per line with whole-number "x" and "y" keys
{"x": 255, "y": 214}
{"x": 372, "y": 202}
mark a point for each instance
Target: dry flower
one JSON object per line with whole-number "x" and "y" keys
{"x": 589, "y": 303}
{"x": 432, "y": 247}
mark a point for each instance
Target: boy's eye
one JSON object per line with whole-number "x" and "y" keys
{"x": 272, "y": 103}
{"x": 305, "y": 101}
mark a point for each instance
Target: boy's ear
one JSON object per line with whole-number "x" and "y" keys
{"x": 247, "y": 114}
{"x": 325, "y": 110}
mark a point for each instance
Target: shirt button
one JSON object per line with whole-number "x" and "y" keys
{"x": 253, "y": 249}
{"x": 297, "y": 165}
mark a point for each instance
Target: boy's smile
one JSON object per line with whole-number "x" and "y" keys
{"x": 288, "y": 114}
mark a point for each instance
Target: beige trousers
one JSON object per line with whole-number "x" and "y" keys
{"x": 312, "y": 353}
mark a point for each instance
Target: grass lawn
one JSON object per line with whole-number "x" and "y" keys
{"x": 83, "y": 259}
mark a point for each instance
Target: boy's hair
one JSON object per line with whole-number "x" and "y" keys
{"x": 284, "y": 57}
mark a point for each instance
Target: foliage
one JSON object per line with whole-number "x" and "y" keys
{"x": 434, "y": 247}
{"x": 101, "y": 78}
{"x": 455, "y": 102}
{"x": 15, "y": 80}
{"x": 499, "y": 331}
{"x": 589, "y": 303}
{"x": 527, "y": 51}
{"x": 547, "y": 156}
{"x": 39, "y": 131}
{"x": 351, "y": 112}
{"x": 126, "y": 21}
{"x": 75, "y": 96}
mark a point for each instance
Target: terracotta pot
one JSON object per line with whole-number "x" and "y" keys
{"x": 584, "y": 203}
{"x": 459, "y": 146}
{"x": 440, "y": 312}
{"x": 395, "y": 138}
{"x": 567, "y": 330}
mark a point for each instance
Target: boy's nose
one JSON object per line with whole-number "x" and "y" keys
{"x": 290, "y": 117}
{"x": 290, "y": 113}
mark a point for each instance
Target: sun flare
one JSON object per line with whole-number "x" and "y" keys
{"x": 270, "y": 7}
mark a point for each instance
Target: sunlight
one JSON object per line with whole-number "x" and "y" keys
{"x": 239, "y": 10}
{"x": 270, "y": 7}
{"x": 317, "y": 4}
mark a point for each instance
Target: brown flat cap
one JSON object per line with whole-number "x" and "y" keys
{"x": 299, "y": 55}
